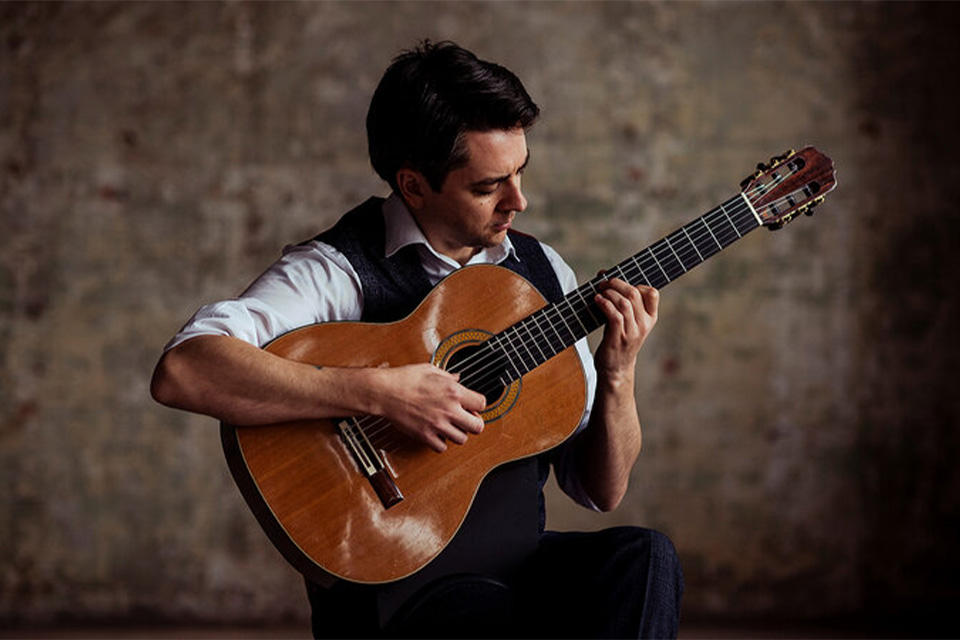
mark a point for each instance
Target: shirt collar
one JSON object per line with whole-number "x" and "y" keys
{"x": 402, "y": 230}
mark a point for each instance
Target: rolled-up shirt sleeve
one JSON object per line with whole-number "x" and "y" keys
{"x": 311, "y": 283}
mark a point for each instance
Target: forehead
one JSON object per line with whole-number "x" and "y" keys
{"x": 494, "y": 153}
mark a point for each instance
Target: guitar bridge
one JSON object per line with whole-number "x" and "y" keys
{"x": 370, "y": 461}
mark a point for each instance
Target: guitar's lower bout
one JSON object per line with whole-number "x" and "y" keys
{"x": 306, "y": 488}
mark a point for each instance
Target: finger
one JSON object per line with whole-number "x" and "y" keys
{"x": 645, "y": 299}
{"x": 623, "y": 300}
{"x": 435, "y": 442}
{"x": 454, "y": 434}
{"x": 615, "y": 317}
{"x": 651, "y": 300}
{"x": 474, "y": 423}
{"x": 471, "y": 400}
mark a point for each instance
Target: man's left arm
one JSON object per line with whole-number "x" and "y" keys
{"x": 609, "y": 446}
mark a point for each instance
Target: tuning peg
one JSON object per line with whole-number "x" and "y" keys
{"x": 750, "y": 178}
{"x": 776, "y": 160}
{"x": 813, "y": 205}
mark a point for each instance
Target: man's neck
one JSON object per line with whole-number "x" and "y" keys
{"x": 459, "y": 254}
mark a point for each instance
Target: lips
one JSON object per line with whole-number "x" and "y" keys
{"x": 503, "y": 226}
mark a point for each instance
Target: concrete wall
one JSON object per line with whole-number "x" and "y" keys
{"x": 798, "y": 395}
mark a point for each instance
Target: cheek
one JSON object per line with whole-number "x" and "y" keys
{"x": 477, "y": 212}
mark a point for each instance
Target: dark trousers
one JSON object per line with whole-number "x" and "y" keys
{"x": 623, "y": 582}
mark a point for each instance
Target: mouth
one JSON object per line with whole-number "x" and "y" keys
{"x": 503, "y": 226}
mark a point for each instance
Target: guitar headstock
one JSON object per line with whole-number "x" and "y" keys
{"x": 789, "y": 185}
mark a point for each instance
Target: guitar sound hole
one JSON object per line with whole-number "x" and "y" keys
{"x": 481, "y": 369}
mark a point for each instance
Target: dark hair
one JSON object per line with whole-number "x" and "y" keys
{"x": 428, "y": 99}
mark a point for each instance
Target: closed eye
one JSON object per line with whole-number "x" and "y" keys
{"x": 490, "y": 186}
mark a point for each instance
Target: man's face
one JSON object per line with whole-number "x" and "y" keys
{"x": 477, "y": 202}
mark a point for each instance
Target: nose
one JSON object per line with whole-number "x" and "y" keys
{"x": 514, "y": 199}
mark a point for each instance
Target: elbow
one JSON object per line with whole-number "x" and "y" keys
{"x": 608, "y": 502}
{"x": 605, "y": 493}
{"x": 164, "y": 386}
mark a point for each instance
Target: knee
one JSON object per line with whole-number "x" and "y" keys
{"x": 662, "y": 547}
{"x": 665, "y": 563}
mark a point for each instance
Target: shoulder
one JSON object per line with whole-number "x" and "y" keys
{"x": 312, "y": 257}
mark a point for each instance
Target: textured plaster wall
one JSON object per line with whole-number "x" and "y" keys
{"x": 798, "y": 396}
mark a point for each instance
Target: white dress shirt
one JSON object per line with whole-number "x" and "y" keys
{"x": 313, "y": 282}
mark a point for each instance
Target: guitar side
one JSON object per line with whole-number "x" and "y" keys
{"x": 304, "y": 485}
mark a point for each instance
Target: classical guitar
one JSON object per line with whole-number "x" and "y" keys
{"x": 355, "y": 499}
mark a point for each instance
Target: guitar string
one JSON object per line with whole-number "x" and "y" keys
{"x": 635, "y": 264}
{"x": 554, "y": 312}
{"x": 473, "y": 375}
{"x": 474, "y": 378}
{"x": 636, "y": 267}
{"x": 390, "y": 445}
{"x": 555, "y": 316}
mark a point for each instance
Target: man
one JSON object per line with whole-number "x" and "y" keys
{"x": 447, "y": 132}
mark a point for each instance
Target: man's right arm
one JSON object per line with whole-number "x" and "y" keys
{"x": 236, "y": 382}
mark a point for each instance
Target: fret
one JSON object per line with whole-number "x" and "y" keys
{"x": 686, "y": 250}
{"x": 659, "y": 266}
{"x": 643, "y": 279}
{"x": 720, "y": 228}
{"x": 506, "y": 352}
{"x": 665, "y": 257}
{"x": 537, "y": 339}
{"x": 727, "y": 216}
{"x": 544, "y": 342}
{"x": 618, "y": 272}
{"x": 703, "y": 220}
{"x": 657, "y": 276}
{"x": 560, "y": 326}
{"x": 675, "y": 254}
{"x": 524, "y": 342}
{"x": 576, "y": 316}
{"x": 692, "y": 244}
{"x": 592, "y": 320}
{"x": 556, "y": 340}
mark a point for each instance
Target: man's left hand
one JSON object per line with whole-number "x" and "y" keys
{"x": 631, "y": 313}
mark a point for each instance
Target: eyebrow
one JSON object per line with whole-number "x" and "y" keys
{"x": 498, "y": 179}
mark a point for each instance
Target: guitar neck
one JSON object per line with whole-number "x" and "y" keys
{"x": 541, "y": 335}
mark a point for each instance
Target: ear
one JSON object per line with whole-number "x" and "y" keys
{"x": 412, "y": 186}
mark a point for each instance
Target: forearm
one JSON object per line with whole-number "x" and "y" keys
{"x": 610, "y": 445}
{"x": 239, "y": 383}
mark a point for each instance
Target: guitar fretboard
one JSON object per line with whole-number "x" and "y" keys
{"x": 532, "y": 341}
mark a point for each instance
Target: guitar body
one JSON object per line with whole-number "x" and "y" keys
{"x": 305, "y": 485}
{"x": 337, "y": 502}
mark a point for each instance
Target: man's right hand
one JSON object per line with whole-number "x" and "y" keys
{"x": 428, "y": 404}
